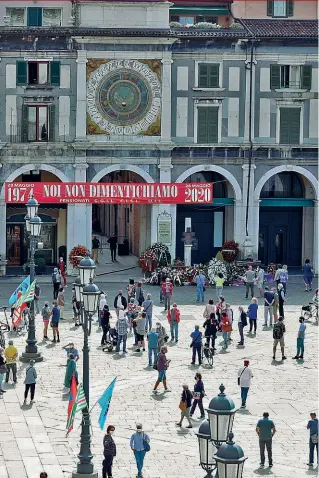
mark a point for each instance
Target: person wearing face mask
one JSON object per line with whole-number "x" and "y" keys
{"x": 139, "y": 443}
{"x": 120, "y": 303}
{"x": 109, "y": 452}
{"x": 300, "y": 339}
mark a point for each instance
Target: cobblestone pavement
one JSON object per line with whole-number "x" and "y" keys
{"x": 33, "y": 438}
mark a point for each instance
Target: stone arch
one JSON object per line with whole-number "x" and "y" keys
{"x": 286, "y": 168}
{"x": 29, "y": 167}
{"x": 120, "y": 167}
{"x": 217, "y": 169}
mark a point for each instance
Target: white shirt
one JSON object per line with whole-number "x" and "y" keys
{"x": 119, "y": 302}
{"x": 246, "y": 376}
{"x": 102, "y": 303}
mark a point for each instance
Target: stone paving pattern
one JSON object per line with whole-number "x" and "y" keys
{"x": 33, "y": 439}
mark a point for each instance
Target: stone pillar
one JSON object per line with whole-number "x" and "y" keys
{"x": 239, "y": 222}
{"x": 166, "y": 99}
{"x": 253, "y": 211}
{"x": 3, "y": 235}
{"x": 80, "y": 131}
{"x": 315, "y": 258}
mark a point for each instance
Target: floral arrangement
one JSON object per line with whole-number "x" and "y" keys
{"x": 204, "y": 25}
{"x": 155, "y": 256}
{"x": 230, "y": 251}
{"x": 76, "y": 254}
{"x": 214, "y": 268}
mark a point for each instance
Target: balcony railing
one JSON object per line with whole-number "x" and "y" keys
{"x": 18, "y": 134}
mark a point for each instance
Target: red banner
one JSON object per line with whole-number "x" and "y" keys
{"x": 110, "y": 193}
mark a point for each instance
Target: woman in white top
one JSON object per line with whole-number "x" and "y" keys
{"x": 244, "y": 378}
{"x": 209, "y": 309}
{"x": 102, "y": 303}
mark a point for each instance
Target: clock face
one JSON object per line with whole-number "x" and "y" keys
{"x": 123, "y": 97}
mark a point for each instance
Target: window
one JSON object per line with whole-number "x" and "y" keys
{"x": 208, "y": 19}
{"x": 283, "y": 185}
{"x": 37, "y": 123}
{"x": 186, "y": 20}
{"x": 286, "y": 76}
{"x": 208, "y": 75}
{"x": 34, "y": 16}
{"x": 289, "y": 126}
{"x": 207, "y": 124}
{"x": 280, "y": 8}
{"x": 38, "y": 73}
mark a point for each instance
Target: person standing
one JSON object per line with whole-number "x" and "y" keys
{"x": 209, "y": 309}
{"x": 244, "y": 380}
{"x": 109, "y": 452}
{"x": 312, "y": 426}
{"x": 37, "y": 293}
{"x": 139, "y": 294}
{"x": 95, "y": 249}
{"x": 148, "y": 309}
{"x": 113, "y": 244}
{"x": 249, "y": 279}
{"x": 162, "y": 337}
{"x": 11, "y": 356}
{"x": 283, "y": 277}
{"x": 242, "y": 322}
{"x": 46, "y": 313}
{"x": 185, "y": 406}
{"x": 152, "y": 347}
{"x": 307, "y": 275}
{"x": 130, "y": 289}
{"x": 62, "y": 269}
{"x": 162, "y": 366}
{"x": 281, "y": 299}
{"x": 301, "y": 339}
{"x": 70, "y": 370}
{"x": 200, "y": 285}
{"x": 105, "y": 323}
{"x": 30, "y": 381}
{"x": 196, "y": 345}
{"x": 140, "y": 331}
{"x": 120, "y": 303}
{"x": 139, "y": 443}
{"x": 198, "y": 395}
{"x": 275, "y": 304}
{"x": 278, "y": 336}
{"x": 265, "y": 430}
{"x": 268, "y": 306}
{"x": 102, "y": 303}
{"x": 277, "y": 274}
{"x": 3, "y": 369}
{"x": 226, "y": 328}
{"x": 210, "y": 325}
{"x": 174, "y": 318}
{"x": 260, "y": 275}
{"x": 253, "y": 314}
{"x": 55, "y": 320}
{"x": 70, "y": 349}
{"x": 167, "y": 292}
{"x": 61, "y": 302}
{"x": 56, "y": 281}
{"x": 121, "y": 329}
{"x": 219, "y": 281}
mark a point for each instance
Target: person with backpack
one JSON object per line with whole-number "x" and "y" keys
{"x": 281, "y": 300}
{"x": 148, "y": 309}
{"x": 139, "y": 294}
{"x": 278, "y": 336}
{"x": 174, "y": 318}
{"x": 56, "y": 281}
{"x": 140, "y": 445}
{"x": 210, "y": 325}
{"x": 312, "y": 426}
{"x": 283, "y": 277}
{"x": 242, "y": 322}
{"x": 244, "y": 379}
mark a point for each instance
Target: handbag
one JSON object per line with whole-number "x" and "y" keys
{"x": 166, "y": 338}
{"x": 314, "y": 439}
{"x": 146, "y": 445}
{"x": 238, "y": 379}
{"x": 182, "y": 406}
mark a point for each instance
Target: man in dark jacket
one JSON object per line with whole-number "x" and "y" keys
{"x": 113, "y": 243}
{"x": 120, "y": 303}
{"x": 278, "y": 336}
{"x": 95, "y": 249}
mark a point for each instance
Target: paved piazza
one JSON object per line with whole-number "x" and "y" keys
{"x": 33, "y": 438}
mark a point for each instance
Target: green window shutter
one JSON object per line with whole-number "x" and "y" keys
{"x": 34, "y": 17}
{"x": 270, "y": 8}
{"x": 203, "y": 76}
{"x": 306, "y": 77}
{"x": 289, "y": 125}
{"x": 24, "y": 124}
{"x": 274, "y": 77}
{"x": 213, "y": 76}
{"x": 207, "y": 125}
{"x": 55, "y": 73}
{"x": 22, "y": 76}
{"x": 290, "y": 8}
{"x": 51, "y": 123}
{"x": 284, "y": 125}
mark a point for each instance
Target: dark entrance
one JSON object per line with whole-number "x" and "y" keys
{"x": 280, "y": 235}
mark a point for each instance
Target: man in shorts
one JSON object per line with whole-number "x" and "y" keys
{"x": 162, "y": 366}
{"x": 278, "y": 336}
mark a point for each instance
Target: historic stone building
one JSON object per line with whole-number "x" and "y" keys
{"x": 108, "y": 92}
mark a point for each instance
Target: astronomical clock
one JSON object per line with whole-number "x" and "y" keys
{"x": 124, "y": 97}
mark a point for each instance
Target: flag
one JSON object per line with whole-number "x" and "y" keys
{"x": 80, "y": 401}
{"x": 71, "y": 408}
{"x": 17, "y": 313}
{"x": 104, "y": 403}
{"x": 22, "y": 287}
{"x": 27, "y": 296}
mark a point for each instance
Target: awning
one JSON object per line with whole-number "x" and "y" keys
{"x": 199, "y": 11}
{"x": 287, "y": 202}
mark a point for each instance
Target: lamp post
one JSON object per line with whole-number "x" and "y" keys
{"x": 33, "y": 227}
{"x": 212, "y": 436}
{"x": 87, "y": 294}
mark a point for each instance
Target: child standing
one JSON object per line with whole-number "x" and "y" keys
{"x": 253, "y": 314}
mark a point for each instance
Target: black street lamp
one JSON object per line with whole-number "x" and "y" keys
{"x": 230, "y": 459}
{"x": 87, "y": 294}
{"x": 214, "y": 433}
{"x": 33, "y": 227}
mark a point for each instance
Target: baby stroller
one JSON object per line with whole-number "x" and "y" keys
{"x": 309, "y": 311}
{"x": 111, "y": 342}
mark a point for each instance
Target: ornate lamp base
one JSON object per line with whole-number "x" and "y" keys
{"x": 26, "y": 357}
{"x": 75, "y": 474}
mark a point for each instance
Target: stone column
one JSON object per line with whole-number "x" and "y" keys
{"x": 80, "y": 131}
{"x": 253, "y": 211}
{"x": 3, "y": 235}
{"x": 166, "y": 99}
{"x": 315, "y": 239}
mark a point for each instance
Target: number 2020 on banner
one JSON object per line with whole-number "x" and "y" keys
{"x": 198, "y": 195}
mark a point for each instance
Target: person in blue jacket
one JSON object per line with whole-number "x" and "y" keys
{"x": 152, "y": 347}
{"x": 198, "y": 395}
{"x": 253, "y": 314}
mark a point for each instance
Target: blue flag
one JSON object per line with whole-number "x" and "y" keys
{"x": 22, "y": 287}
{"x": 104, "y": 403}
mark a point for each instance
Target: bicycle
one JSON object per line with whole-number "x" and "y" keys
{"x": 4, "y": 327}
{"x": 208, "y": 355}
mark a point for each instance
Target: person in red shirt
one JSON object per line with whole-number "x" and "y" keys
{"x": 61, "y": 267}
{"x": 226, "y": 329}
{"x": 167, "y": 291}
{"x": 174, "y": 318}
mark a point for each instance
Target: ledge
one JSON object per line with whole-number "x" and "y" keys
{"x": 197, "y": 88}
